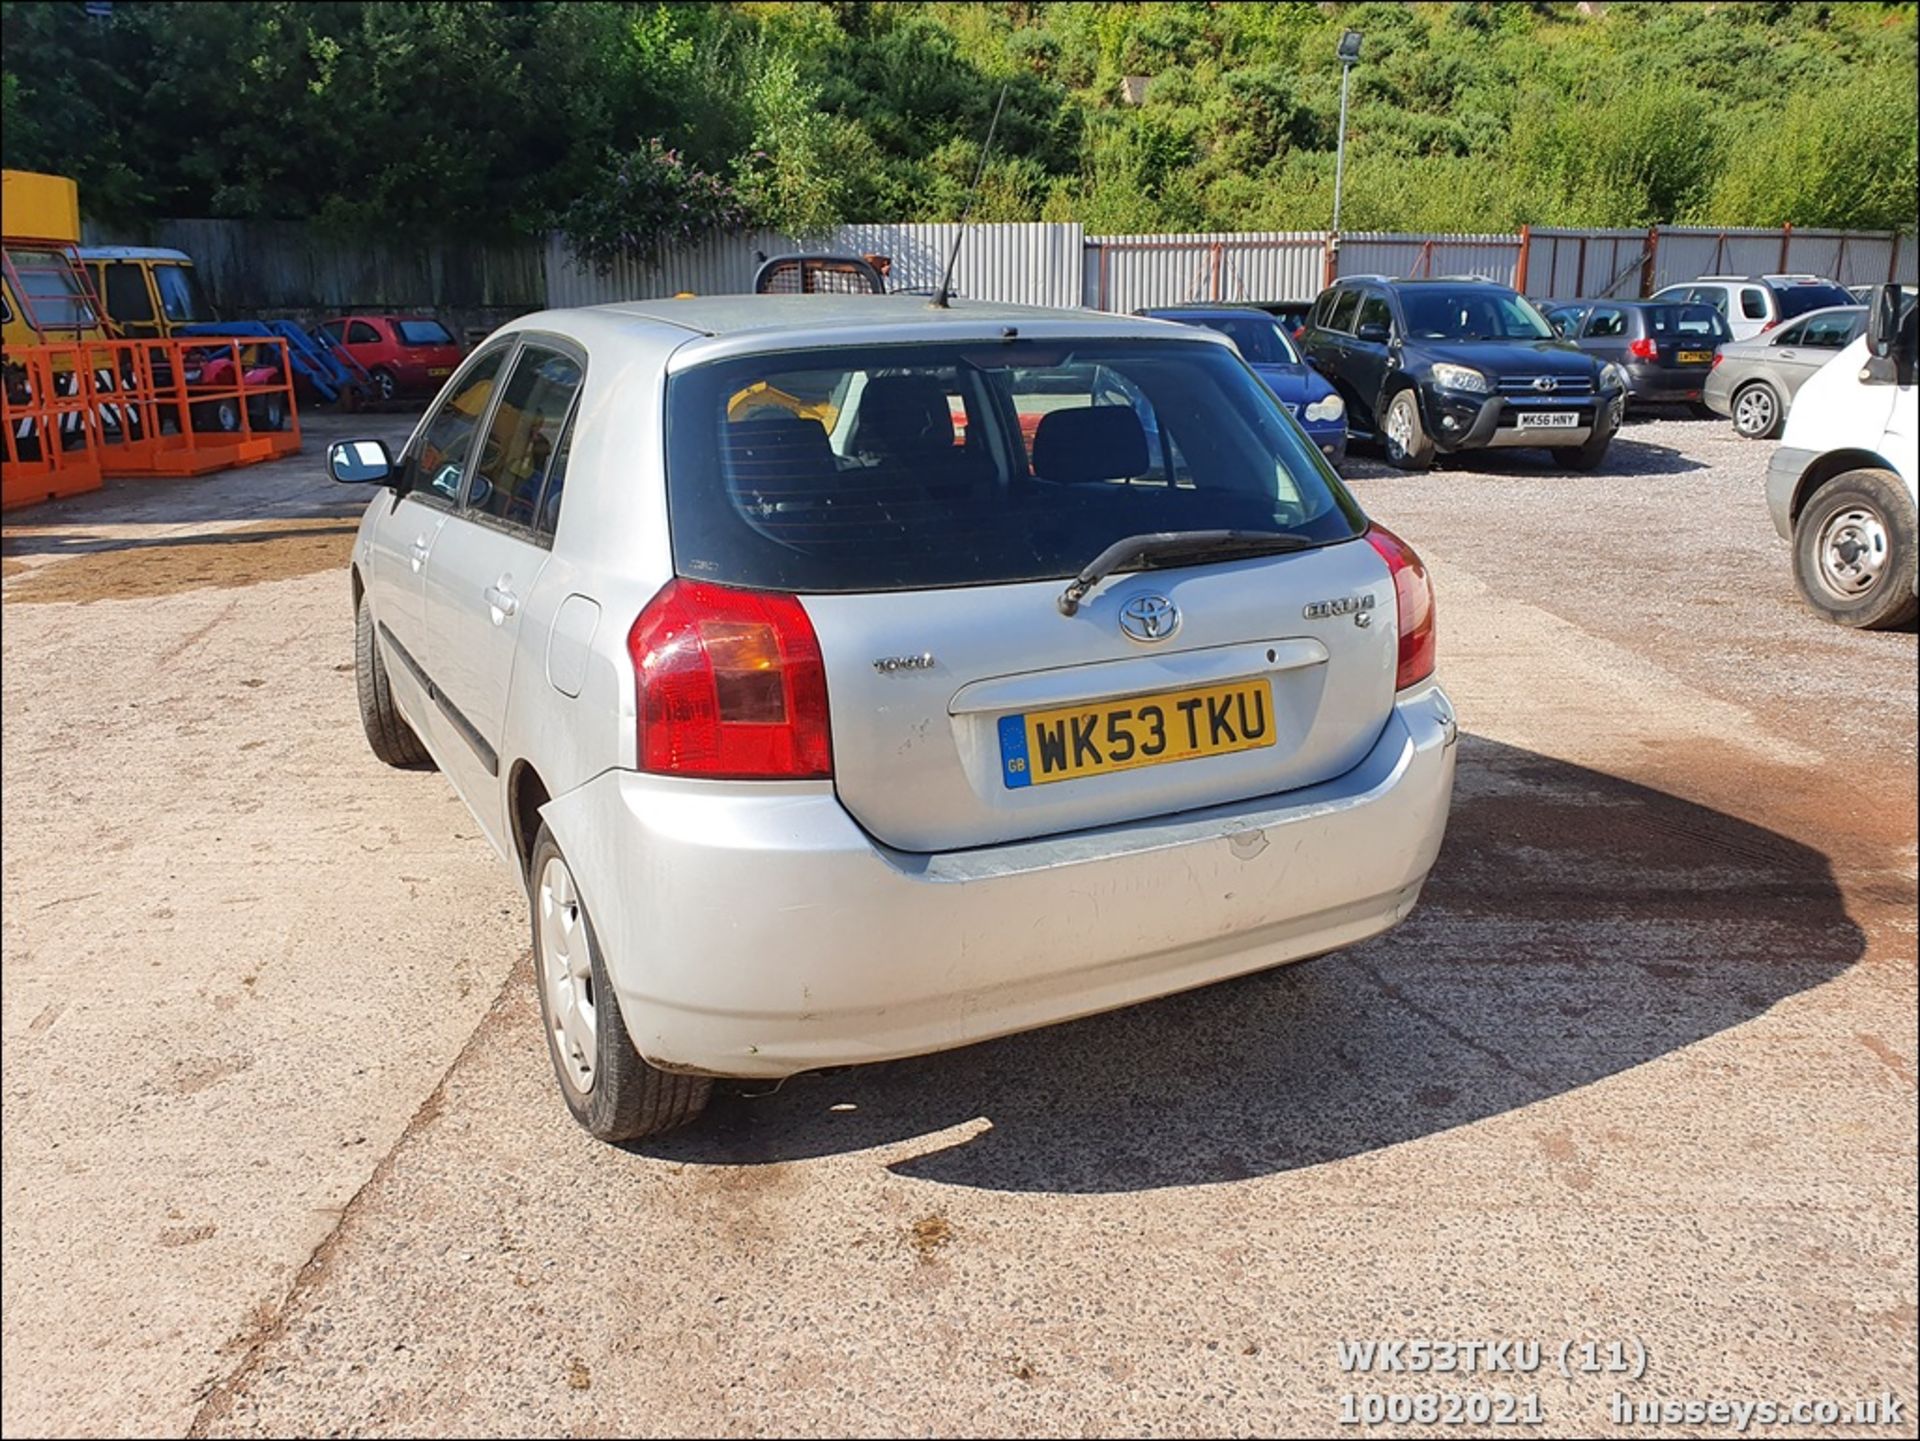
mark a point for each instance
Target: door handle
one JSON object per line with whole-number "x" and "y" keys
{"x": 502, "y": 601}
{"x": 421, "y": 547}
{"x": 1786, "y": 355}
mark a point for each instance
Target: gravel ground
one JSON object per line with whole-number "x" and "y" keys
{"x": 282, "y": 1152}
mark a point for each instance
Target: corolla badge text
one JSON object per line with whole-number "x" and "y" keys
{"x": 1343, "y": 605}
{"x": 890, "y": 664}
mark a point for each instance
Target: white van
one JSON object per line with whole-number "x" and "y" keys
{"x": 1842, "y": 485}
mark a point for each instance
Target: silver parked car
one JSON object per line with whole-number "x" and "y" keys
{"x": 849, "y": 679}
{"x": 1754, "y": 381}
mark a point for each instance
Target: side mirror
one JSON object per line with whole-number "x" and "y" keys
{"x": 1374, "y": 333}
{"x": 360, "y": 462}
{"x": 1883, "y": 322}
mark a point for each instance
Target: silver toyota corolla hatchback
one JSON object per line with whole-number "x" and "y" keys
{"x": 850, "y": 679}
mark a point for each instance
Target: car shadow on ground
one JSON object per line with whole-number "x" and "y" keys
{"x": 1577, "y": 926}
{"x": 1626, "y": 456}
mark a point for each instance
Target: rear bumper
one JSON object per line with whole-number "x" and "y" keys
{"x": 1656, "y": 385}
{"x": 758, "y": 931}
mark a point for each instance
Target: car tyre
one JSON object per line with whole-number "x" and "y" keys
{"x": 1757, "y": 411}
{"x": 388, "y": 734}
{"x": 608, "y": 1086}
{"x": 1588, "y": 455}
{"x": 386, "y": 386}
{"x": 1403, "y": 435}
{"x": 1854, "y": 551}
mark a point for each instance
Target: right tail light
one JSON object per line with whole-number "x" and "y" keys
{"x": 1413, "y": 598}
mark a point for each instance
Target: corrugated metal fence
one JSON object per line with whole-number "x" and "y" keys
{"x": 266, "y": 267}
{"x": 1034, "y": 264}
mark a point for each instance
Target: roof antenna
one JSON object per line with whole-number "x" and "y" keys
{"x": 940, "y": 296}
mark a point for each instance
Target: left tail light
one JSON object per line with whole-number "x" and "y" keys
{"x": 729, "y": 684}
{"x": 1413, "y": 598}
{"x": 1643, "y": 349}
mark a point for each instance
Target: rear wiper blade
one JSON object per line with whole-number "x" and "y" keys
{"x": 1166, "y": 545}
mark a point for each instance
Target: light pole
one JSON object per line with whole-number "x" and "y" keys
{"x": 1349, "y": 57}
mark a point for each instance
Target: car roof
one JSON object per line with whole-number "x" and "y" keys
{"x": 711, "y": 326}
{"x": 132, "y": 252}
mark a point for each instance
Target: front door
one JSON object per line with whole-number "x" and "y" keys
{"x": 480, "y": 582}
{"x": 431, "y": 473}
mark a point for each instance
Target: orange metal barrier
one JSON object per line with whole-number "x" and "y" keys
{"x": 142, "y": 408}
{"x": 52, "y": 445}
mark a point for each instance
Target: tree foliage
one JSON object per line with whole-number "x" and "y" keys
{"x": 511, "y": 116}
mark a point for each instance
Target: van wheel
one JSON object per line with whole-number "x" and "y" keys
{"x": 608, "y": 1085}
{"x": 1757, "y": 411}
{"x": 388, "y": 733}
{"x": 1854, "y": 551}
{"x": 1403, "y": 435}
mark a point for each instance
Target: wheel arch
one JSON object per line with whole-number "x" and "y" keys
{"x": 527, "y": 792}
{"x": 1829, "y": 466}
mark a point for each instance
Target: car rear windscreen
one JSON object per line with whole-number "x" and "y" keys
{"x": 1681, "y": 321}
{"x": 1799, "y": 299}
{"x": 908, "y": 467}
{"x": 423, "y": 332}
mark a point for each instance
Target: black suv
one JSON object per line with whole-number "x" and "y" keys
{"x": 1461, "y": 364}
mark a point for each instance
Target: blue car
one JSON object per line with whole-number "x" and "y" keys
{"x": 1266, "y": 346}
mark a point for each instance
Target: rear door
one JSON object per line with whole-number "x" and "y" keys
{"x": 1367, "y": 359}
{"x": 1607, "y": 334}
{"x": 967, "y": 709}
{"x": 488, "y": 557}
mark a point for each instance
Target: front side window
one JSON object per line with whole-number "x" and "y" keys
{"x": 1832, "y": 332}
{"x": 1341, "y": 316}
{"x": 438, "y": 462}
{"x": 1566, "y": 323}
{"x": 523, "y": 436}
{"x": 126, "y": 295}
{"x": 1714, "y": 296}
{"x": 49, "y": 289}
{"x": 334, "y": 329}
{"x": 1373, "y": 311}
{"x": 1753, "y": 302}
{"x": 929, "y": 465}
{"x": 1471, "y": 312}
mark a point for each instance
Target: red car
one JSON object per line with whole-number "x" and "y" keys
{"x": 405, "y": 354}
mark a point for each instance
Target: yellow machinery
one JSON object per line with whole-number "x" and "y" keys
{"x": 47, "y": 298}
{"x": 148, "y": 292}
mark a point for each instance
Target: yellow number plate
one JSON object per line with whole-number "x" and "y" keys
{"x": 439, "y": 370}
{"x": 1695, "y": 357}
{"x": 1177, "y": 725}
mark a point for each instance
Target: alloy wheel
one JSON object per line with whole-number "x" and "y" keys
{"x": 566, "y": 973}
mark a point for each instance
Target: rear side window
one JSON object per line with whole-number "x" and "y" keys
{"x": 423, "y": 332}
{"x": 1753, "y": 302}
{"x": 1566, "y": 323}
{"x": 1341, "y": 316}
{"x": 930, "y": 465}
{"x": 524, "y": 435}
{"x": 1607, "y": 321}
{"x": 361, "y": 333}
